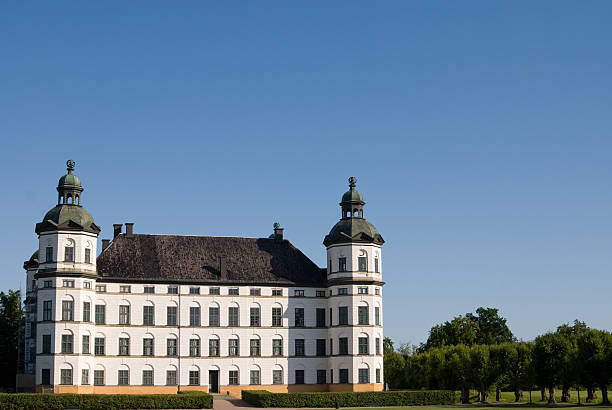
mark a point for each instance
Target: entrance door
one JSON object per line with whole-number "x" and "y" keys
{"x": 213, "y": 381}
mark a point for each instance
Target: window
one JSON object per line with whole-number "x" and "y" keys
{"x": 377, "y": 375}
{"x": 277, "y": 292}
{"x": 100, "y": 288}
{"x": 362, "y": 314}
{"x": 377, "y": 342}
{"x": 194, "y": 290}
{"x": 331, "y": 346}
{"x": 172, "y": 290}
{"x": 255, "y": 347}
{"x": 213, "y": 316}
{"x": 98, "y": 377}
{"x": 377, "y": 291}
{"x": 343, "y": 374}
{"x": 87, "y": 285}
{"x": 232, "y": 316}
{"x": 320, "y": 317}
{"x": 49, "y": 255}
{"x": 320, "y": 347}
{"x": 149, "y": 289}
{"x": 364, "y": 376}
{"x": 194, "y": 347}
{"x": 341, "y": 264}
{"x": 362, "y": 290}
{"x": 377, "y": 315}
{"x": 147, "y": 346}
{"x": 277, "y": 377}
{"x": 85, "y": 376}
{"x": 233, "y": 347}
{"x": 232, "y": 291}
{"x": 299, "y": 376}
{"x": 123, "y": 377}
{"x": 299, "y": 347}
{"x": 125, "y": 289}
{"x": 343, "y": 345}
{"x": 124, "y": 314}
{"x": 47, "y": 284}
{"x": 214, "y": 291}
{"x": 320, "y": 293}
{"x": 87, "y": 255}
{"x": 363, "y": 345}
{"x": 85, "y": 345}
{"x": 194, "y": 316}
{"x": 147, "y": 377}
{"x": 68, "y": 283}
{"x": 299, "y": 317}
{"x": 213, "y": 348}
{"x": 124, "y": 346}
{"x": 331, "y": 323}
{"x": 255, "y": 292}
{"x": 100, "y": 314}
{"x": 298, "y": 293}
{"x": 171, "y": 378}
{"x": 148, "y": 315}
{"x": 363, "y": 263}
{"x": 67, "y": 343}
{"x": 69, "y": 254}
{"x": 255, "y": 377}
{"x": 277, "y": 319}
{"x": 376, "y": 265}
{"x": 331, "y": 375}
{"x": 171, "y": 315}
{"x": 67, "y": 310}
{"x": 171, "y": 344}
{"x": 233, "y": 377}
{"x": 99, "y": 346}
{"x": 343, "y": 315}
{"x": 47, "y": 310}
{"x": 66, "y": 375}
{"x": 46, "y": 376}
{"x": 277, "y": 347}
{"x": 321, "y": 377}
{"x": 255, "y": 321}
{"x": 194, "y": 377}
{"x": 342, "y": 291}
{"x": 46, "y": 344}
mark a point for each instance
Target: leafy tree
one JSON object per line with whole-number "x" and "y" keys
{"x": 393, "y": 365}
{"x": 595, "y": 353}
{"x": 457, "y": 365}
{"x": 492, "y": 328}
{"x": 11, "y": 321}
{"x": 569, "y": 372}
{"x": 520, "y": 369}
{"x": 551, "y": 354}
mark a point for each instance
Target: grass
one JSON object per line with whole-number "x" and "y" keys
{"x": 508, "y": 397}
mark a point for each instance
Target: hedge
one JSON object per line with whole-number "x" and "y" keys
{"x": 104, "y": 401}
{"x": 263, "y": 398}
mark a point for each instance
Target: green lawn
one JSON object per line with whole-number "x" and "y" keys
{"x": 463, "y": 407}
{"x": 508, "y": 397}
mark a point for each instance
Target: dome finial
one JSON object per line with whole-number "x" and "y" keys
{"x": 70, "y": 166}
{"x": 352, "y": 182}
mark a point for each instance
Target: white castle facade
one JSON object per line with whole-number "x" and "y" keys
{"x": 162, "y": 313}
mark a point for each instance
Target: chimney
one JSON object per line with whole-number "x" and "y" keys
{"x": 278, "y": 233}
{"x": 129, "y": 229}
{"x": 117, "y": 230}
{"x": 105, "y": 243}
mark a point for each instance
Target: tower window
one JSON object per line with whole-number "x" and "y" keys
{"x": 362, "y": 290}
{"x": 376, "y": 268}
{"x": 69, "y": 254}
{"x": 363, "y": 263}
{"x": 87, "y": 255}
{"x": 341, "y": 264}
{"x": 49, "y": 254}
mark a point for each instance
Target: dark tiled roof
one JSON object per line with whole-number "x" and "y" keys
{"x": 200, "y": 258}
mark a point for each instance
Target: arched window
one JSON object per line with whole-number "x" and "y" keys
{"x": 147, "y": 375}
{"x": 66, "y": 374}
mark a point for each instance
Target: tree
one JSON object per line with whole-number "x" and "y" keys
{"x": 520, "y": 375}
{"x": 458, "y": 370}
{"x": 393, "y": 365}
{"x": 570, "y": 372}
{"x": 551, "y": 354}
{"x": 595, "y": 357}
{"x": 492, "y": 328}
{"x": 11, "y": 323}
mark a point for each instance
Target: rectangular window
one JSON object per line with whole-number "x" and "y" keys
{"x": 321, "y": 377}
{"x": 233, "y": 317}
{"x": 214, "y": 291}
{"x": 376, "y": 265}
{"x": 85, "y": 376}
{"x": 171, "y": 344}
{"x": 362, "y": 290}
{"x": 148, "y": 316}
{"x": 123, "y": 377}
{"x": 255, "y": 319}
{"x": 147, "y": 347}
{"x": 277, "y": 377}
{"x": 299, "y": 377}
{"x": 194, "y": 316}
{"x": 320, "y": 293}
{"x": 341, "y": 264}
{"x": 277, "y": 292}
{"x": 277, "y": 318}
{"x": 277, "y": 347}
{"x": 194, "y": 347}
{"x": 194, "y": 377}
{"x": 299, "y": 347}
{"x": 364, "y": 376}
{"x": 343, "y": 345}
{"x": 100, "y": 314}
{"x": 377, "y": 315}
{"x": 213, "y": 348}
{"x": 214, "y": 316}
{"x": 363, "y": 263}
{"x": 377, "y": 342}
{"x": 100, "y": 288}
{"x": 149, "y": 289}
{"x": 331, "y": 316}
{"x": 47, "y": 284}
{"x": 299, "y": 317}
{"x": 85, "y": 345}
{"x": 68, "y": 310}
{"x": 343, "y": 315}
{"x": 173, "y": 290}
{"x": 320, "y": 347}
{"x": 377, "y": 375}
{"x": 331, "y": 346}
{"x": 69, "y": 254}
{"x": 66, "y": 376}
{"x": 98, "y": 377}
{"x": 125, "y": 289}
{"x": 67, "y": 343}
{"x": 363, "y": 346}
{"x": 377, "y": 291}
{"x": 233, "y": 377}
{"x": 68, "y": 283}
{"x": 233, "y": 291}
{"x": 87, "y": 255}
{"x": 49, "y": 255}
{"x": 255, "y": 349}
{"x": 46, "y": 376}
{"x": 47, "y": 310}
{"x": 342, "y": 291}
{"x": 343, "y": 375}
{"x": 255, "y": 292}
{"x": 320, "y": 317}
{"x": 124, "y": 346}
{"x": 194, "y": 290}
{"x": 254, "y": 377}
{"x": 147, "y": 377}
{"x": 87, "y": 285}
{"x": 298, "y": 293}
{"x": 46, "y": 344}
{"x": 363, "y": 315}
{"x": 171, "y": 315}
{"x": 99, "y": 346}
{"x": 233, "y": 348}
{"x": 171, "y": 378}
{"x": 124, "y": 314}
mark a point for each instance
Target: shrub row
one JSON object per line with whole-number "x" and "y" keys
{"x": 105, "y": 401}
{"x": 263, "y": 398}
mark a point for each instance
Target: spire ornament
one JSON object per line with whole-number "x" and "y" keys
{"x": 352, "y": 182}
{"x": 70, "y": 166}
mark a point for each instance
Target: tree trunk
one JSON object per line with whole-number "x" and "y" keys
{"x": 543, "y": 393}
{"x": 465, "y": 395}
{"x": 566, "y": 395}
{"x": 604, "y": 395}
{"x": 518, "y": 394}
{"x": 591, "y": 394}
{"x": 484, "y": 395}
{"x": 497, "y": 394}
{"x": 551, "y": 395}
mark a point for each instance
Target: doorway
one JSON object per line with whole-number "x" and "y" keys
{"x": 213, "y": 381}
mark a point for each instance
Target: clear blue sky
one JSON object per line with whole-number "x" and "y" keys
{"x": 480, "y": 134}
